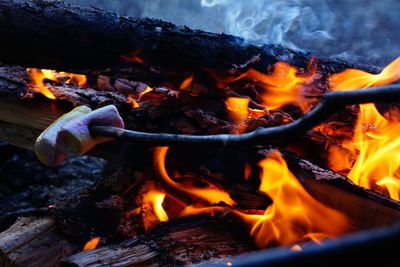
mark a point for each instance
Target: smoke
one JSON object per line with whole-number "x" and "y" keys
{"x": 286, "y": 22}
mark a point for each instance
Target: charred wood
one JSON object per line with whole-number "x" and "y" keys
{"x": 89, "y": 38}
{"x": 33, "y": 242}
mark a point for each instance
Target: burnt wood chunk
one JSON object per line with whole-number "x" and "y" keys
{"x": 130, "y": 253}
{"x": 33, "y": 242}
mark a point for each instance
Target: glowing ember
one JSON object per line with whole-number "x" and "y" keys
{"x": 133, "y": 57}
{"x": 155, "y": 199}
{"x": 133, "y": 212}
{"x": 92, "y": 243}
{"x": 296, "y": 248}
{"x": 186, "y": 83}
{"x": 294, "y": 215}
{"x": 39, "y": 77}
{"x": 372, "y": 157}
{"x": 210, "y": 194}
{"x": 237, "y": 108}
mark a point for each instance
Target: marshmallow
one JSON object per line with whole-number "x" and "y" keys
{"x": 45, "y": 145}
{"x": 74, "y": 139}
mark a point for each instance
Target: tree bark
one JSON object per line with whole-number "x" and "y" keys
{"x": 56, "y": 35}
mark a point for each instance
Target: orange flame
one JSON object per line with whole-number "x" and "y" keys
{"x": 135, "y": 101}
{"x": 355, "y": 79}
{"x": 282, "y": 87}
{"x": 210, "y": 194}
{"x": 39, "y": 76}
{"x": 294, "y": 215}
{"x": 92, "y": 243}
{"x": 131, "y": 99}
{"x": 155, "y": 199}
{"x": 372, "y": 156}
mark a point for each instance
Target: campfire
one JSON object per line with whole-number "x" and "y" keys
{"x": 218, "y": 151}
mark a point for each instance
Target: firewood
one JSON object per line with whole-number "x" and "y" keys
{"x": 337, "y": 191}
{"x": 184, "y": 240}
{"x": 89, "y": 38}
{"x": 177, "y": 242}
{"x": 329, "y": 103}
{"x": 33, "y": 242}
{"x": 129, "y": 253}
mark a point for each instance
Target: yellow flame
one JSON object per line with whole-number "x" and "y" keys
{"x": 155, "y": 199}
{"x": 92, "y": 243}
{"x": 147, "y": 90}
{"x": 211, "y": 194}
{"x": 237, "y": 108}
{"x": 355, "y": 79}
{"x": 38, "y": 77}
{"x": 375, "y": 147}
{"x": 294, "y": 214}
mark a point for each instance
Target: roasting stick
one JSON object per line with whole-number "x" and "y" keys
{"x": 78, "y": 131}
{"x": 329, "y": 104}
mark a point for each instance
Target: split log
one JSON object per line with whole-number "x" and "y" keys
{"x": 89, "y": 38}
{"x": 135, "y": 252}
{"x": 365, "y": 208}
{"x": 179, "y": 242}
{"x": 33, "y": 242}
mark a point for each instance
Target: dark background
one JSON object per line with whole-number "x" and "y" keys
{"x": 365, "y": 31}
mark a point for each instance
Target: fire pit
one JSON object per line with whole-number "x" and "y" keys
{"x": 229, "y": 153}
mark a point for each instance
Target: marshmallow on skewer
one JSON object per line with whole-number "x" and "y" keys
{"x": 74, "y": 137}
{"x": 45, "y": 146}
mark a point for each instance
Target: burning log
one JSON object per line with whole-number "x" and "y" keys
{"x": 14, "y": 85}
{"x": 198, "y": 239}
{"x": 188, "y": 241}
